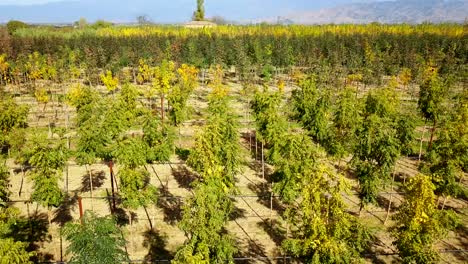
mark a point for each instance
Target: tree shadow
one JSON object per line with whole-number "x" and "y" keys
{"x": 63, "y": 213}
{"x": 156, "y": 243}
{"x": 120, "y": 215}
{"x": 33, "y": 231}
{"x": 272, "y": 228}
{"x": 98, "y": 178}
{"x": 264, "y": 197}
{"x": 171, "y": 206}
{"x": 237, "y": 213}
{"x": 383, "y": 202}
{"x": 182, "y": 153}
{"x": 184, "y": 176}
{"x": 254, "y": 253}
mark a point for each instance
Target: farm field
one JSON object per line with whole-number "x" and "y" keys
{"x": 302, "y": 144}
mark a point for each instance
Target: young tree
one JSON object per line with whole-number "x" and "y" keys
{"x": 447, "y": 161}
{"x": 163, "y": 80}
{"x": 322, "y": 230}
{"x": 419, "y": 224}
{"x": 135, "y": 188}
{"x": 218, "y": 143}
{"x": 180, "y": 93}
{"x": 204, "y": 219}
{"x": 98, "y": 240}
{"x": 311, "y": 107}
{"x": 48, "y": 160}
{"x": 346, "y": 121}
{"x": 432, "y": 93}
{"x": 158, "y": 138}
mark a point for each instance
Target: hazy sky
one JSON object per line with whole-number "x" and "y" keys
{"x": 319, "y": 2}
{"x": 163, "y": 11}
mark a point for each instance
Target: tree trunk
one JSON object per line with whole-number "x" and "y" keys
{"x": 162, "y": 108}
{"x": 391, "y": 198}
{"x": 445, "y": 201}
{"x": 90, "y": 186}
{"x": 22, "y": 180}
{"x": 149, "y": 219}
{"x": 432, "y": 134}
{"x": 421, "y": 142}
{"x": 263, "y": 164}
{"x": 111, "y": 164}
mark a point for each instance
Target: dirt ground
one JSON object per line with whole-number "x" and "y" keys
{"x": 256, "y": 222}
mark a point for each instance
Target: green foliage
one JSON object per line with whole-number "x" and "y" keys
{"x": 375, "y": 154}
{"x": 97, "y": 241}
{"x": 419, "y": 223}
{"x": 135, "y": 189}
{"x": 432, "y": 93}
{"x": 159, "y": 139}
{"x": 297, "y": 157}
{"x": 131, "y": 152}
{"x": 218, "y": 143}
{"x": 448, "y": 159}
{"x": 11, "y": 251}
{"x": 14, "y": 25}
{"x": 346, "y": 120}
{"x": 311, "y": 107}
{"x": 204, "y": 218}
{"x": 323, "y": 232}
{"x": 4, "y": 184}
{"x": 12, "y": 117}
{"x": 48, "y": 161}
{"x": 271, "y": 125}
{"x": 381, "y": 138}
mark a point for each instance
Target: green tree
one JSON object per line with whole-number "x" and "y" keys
{"x": 218, "y": 143}
{"x": 4, "y": 184}
{"x": 346, "y": 120}
{"x": 311, "y": 107}
{"x": 158, "y": 138}
{"x": 48, "y": 160}
{"x": 97, "y": 240}
{"x": 14, "y": 25}
{"x": 447, "y": 161}
{"x": 419, "y": 223}
{"x": 204, "y": 219}
{"x": 199, "y": 14}
{"x": 432, "y": 94}
{"x": 11, "y": 251}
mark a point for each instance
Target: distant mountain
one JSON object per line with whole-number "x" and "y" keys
{"x": 402, "y": 11}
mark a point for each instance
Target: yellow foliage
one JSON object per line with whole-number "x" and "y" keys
{"x": 41, "y": 95}
{"x": 109, "y": 81}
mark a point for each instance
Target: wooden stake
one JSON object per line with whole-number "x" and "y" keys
{"x": 80, "y": 206}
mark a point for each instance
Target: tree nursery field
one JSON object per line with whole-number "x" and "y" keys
{"x": 234, "y": 144}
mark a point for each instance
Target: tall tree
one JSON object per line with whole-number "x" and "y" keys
{"x": 199, "y": 14}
